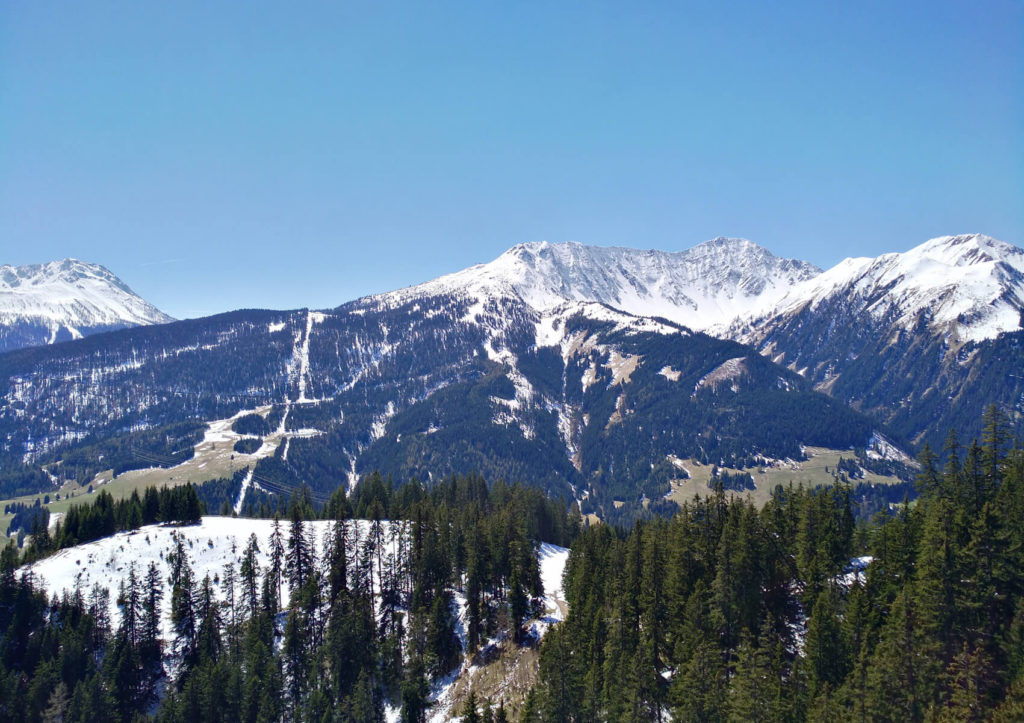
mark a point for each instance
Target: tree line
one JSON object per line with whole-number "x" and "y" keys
{"x": 87, "y": 522}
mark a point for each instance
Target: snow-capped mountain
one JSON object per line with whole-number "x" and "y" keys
{"x": 63, "y": 300}
{"x": 703, "y": 288}
{"x": 969, "y": 287}
{"x": 923, "y": 339}
{"x": 549, "y": 364}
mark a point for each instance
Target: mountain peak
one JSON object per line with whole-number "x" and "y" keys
{"x": 66, "y": 299}
{"x": 970, "y": 249}
{"x": 727, "y": 242}
{"x": 702, "y": 288}
{"x": 969, "y": 285}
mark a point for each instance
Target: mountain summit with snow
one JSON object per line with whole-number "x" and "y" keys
{"x": 703, "y": 288}
{"x": 64, "y": 300}
{"x": 968, "y": 287}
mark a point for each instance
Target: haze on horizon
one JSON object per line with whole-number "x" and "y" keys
{"x": 309, "y": 155}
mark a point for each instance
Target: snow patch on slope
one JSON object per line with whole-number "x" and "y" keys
{"x": 211, "y": 545}
{"x": 669, "y": 373}
{"x": 728, "y": 371}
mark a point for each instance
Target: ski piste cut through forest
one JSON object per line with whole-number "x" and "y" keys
{"x": 793, "y": 612}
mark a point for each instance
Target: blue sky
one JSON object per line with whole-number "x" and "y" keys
{"x": 226, "y": 155}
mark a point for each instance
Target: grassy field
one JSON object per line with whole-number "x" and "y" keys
{"x": 214, "y": 458}
{"x": 815, "y": 471}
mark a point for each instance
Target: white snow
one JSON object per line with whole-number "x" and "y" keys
{"x": 552, "y": 560}
{"x": 71, "y": 294}
{"x": 589, "y": 376}
{"x": 246, "y": 483}
{"x": 552, "y": 568}
{"x": 107, "y": 561}
{"x": 380, "y": 422}
{"x": 881, "y": 448}
{"x": 669, "y": 373}
{"x": 217, "y": 541}
{"x": 855, "y": 571}
{"x": 729, "y": 370}
{"x": 970, "y": 285}
{"x": 302, "y": 360}
{"x": 701, "y": 288}
{"x": 622, "y": 366}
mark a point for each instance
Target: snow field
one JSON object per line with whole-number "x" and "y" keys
{"x": 211, "y": 545}
{"x": 217, "y": 541}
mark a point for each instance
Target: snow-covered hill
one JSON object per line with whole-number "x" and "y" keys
{"x": 702, "y": 288}
{"x": 63, "y": 300}
{"x": 211, "y": 546}
{"x": 219, "y": 541}
{"x": 970, "y": 287}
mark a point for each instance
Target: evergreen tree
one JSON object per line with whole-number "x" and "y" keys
{"x": 826, "y": 649}
{"x": 274, "y": 574}
{"x": 415, "y": 692}
{"x": 299, "y": 556}
{"x": 250, "y": 574}
{"x": 470, "y": 709}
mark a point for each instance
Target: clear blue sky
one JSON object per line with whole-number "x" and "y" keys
{"x": 224, "y": 155}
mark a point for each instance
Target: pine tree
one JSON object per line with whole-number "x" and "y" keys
{"x": 153, "y": 595}
{"x": 56, "y": 705}
{"x": 561, "y": 694}
{"x": 442, "y": 645}
{"x": 130, "y": 602}
{"x": 294, "y": 653}
{"x": 995, "y": 437}
{"x": 826, "y": 649}
{"x": 183, "y": 605}
{"x": 123, "y": 671}
{"x": 698, "y": 691}
{"x": 299, "y": 557}
{"x": 209, "y": 643}
{"x": 753, "y": 689}
{"x": 469, "y": 712}
{"x": 903, "y": 664}
{"x": 415, "y": 692}
{"x": 232, "y": 618}
{"x": 969, "y": 681}
{"x": 936, "y": 575}
{"x": 250, "y": 575}
{"x": 274, "y": 574}
{"x": 338, "y": 560}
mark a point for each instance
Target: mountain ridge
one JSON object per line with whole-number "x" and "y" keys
{"x": 698, "y": 287}
{"x": 971, "y": 285}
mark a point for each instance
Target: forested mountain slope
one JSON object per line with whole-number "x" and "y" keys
{"x": 792, "y": 613}
{"x": 521, "y": 369}
{"x": 585, "y": 401}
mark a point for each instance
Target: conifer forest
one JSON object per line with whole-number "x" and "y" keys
{"x": 793, "y": 612}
